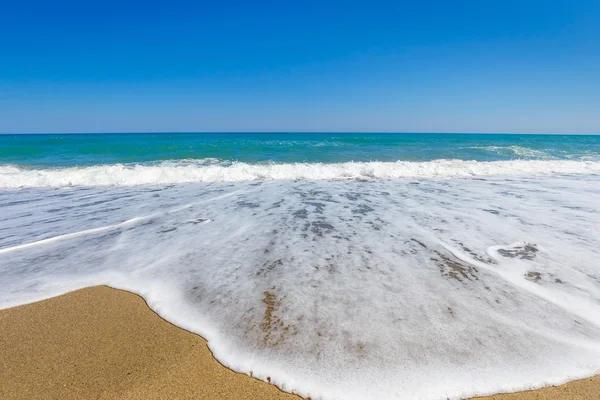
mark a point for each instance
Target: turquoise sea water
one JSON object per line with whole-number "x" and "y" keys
{"x": 396, "y": 266}
{"x": 55, "y": 150}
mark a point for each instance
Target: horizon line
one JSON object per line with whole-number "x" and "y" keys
{"x": 293, "y": 132}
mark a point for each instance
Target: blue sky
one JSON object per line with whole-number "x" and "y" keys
{"x": 418, "y": 66}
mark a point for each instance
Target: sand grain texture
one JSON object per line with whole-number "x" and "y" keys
{"x": 102, "y": 343}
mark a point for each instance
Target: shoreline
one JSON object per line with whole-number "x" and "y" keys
{"x": 101, "y": 342}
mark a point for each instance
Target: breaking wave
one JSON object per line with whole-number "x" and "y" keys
{"x": 172, "y": 172}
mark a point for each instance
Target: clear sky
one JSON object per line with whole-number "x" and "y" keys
{"x": 403, "y": 66}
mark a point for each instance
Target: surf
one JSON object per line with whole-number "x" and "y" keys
{"x": 211, "y": 171}
{"x": 338, "y": 288}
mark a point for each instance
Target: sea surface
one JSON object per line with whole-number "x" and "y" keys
{"x": 336, "y": 266}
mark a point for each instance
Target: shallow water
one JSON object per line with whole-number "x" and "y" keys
{"x": 71, "y": 150}
{"x": 337, "y": 266}
{"x": 427, "y": 288}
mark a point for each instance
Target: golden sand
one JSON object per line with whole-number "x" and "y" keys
{"x": 102, "y": 343}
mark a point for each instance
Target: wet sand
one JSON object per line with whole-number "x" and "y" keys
{"x": 103, "y": 343}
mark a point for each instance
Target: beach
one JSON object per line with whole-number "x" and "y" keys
{"x": 300, "y": 200}
{"x": 106, "y": 343}
{"x": 366, "y": 270}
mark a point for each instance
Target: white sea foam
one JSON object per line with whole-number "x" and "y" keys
{"x": 172, "y": 172}
{"x": 389, "y": 289}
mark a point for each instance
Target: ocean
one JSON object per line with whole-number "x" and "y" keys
{"x": 336, "y": 266}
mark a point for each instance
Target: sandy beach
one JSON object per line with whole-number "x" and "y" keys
{"x": 104, "y": 343}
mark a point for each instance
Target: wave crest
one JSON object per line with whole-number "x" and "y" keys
{"x": 515, "y": 151}
{"x": 170, "y": 172}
